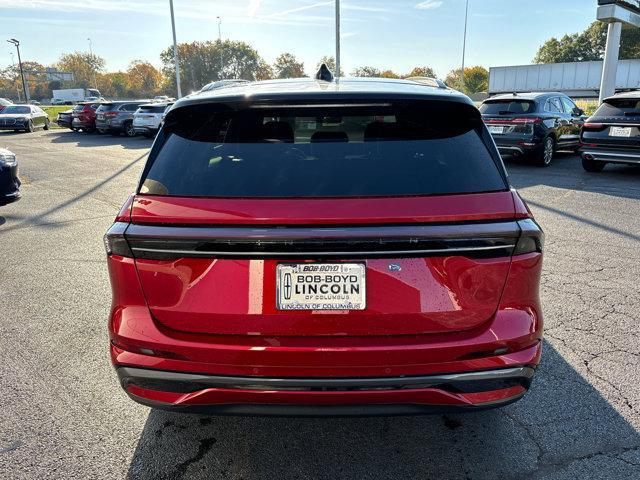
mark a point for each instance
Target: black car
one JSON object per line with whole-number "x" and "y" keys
{"x": 65, "y": 119}
{"x": 612, "y": 134}
{"x": 9, "y": 182}
{"x": 533, "y": 124}
{"x": 23, "y": 117}
{"x": 117, "y": 117}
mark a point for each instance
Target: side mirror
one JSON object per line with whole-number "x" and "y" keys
{"x": 578, "y": 112}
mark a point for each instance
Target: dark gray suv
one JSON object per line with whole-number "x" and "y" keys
{"x": 117, "y": 117}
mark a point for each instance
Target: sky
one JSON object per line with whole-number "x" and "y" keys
{"x": 394, "y": 34}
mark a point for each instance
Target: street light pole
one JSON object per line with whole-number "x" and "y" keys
{"x": 337, "y": 72}
{"x": 95, "y": 82}
{"x": 24, "y": 81}
{"x": 220, "y": 75}
{"x": 175, "y": 50}
{"x": 464, "y": 40}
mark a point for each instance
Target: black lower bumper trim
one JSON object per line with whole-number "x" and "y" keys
{"x": 288, "y": 410}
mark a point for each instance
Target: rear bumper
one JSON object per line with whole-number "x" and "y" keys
{"x": 612, "y": 156}
{"x": 516, "y": 145}
{"x": 145, "y": 130}
{"x": 191, "y": 393}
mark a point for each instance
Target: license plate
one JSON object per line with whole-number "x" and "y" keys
{"x": 496, "y": 129}
{"x": 321, "y": 286}
{"x": 75, "y": 121}
{"x": 620, "y": 132}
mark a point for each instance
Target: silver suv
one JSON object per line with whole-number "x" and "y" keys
{"x": 117, "y": 117}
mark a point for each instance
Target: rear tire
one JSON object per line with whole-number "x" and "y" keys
{"x": 30, "y": 127}
{"x": 593, "y": 165}
{"x": 46, "y": 125}
{"x": 129, "y": 131}
{"x": 544, "y": 156}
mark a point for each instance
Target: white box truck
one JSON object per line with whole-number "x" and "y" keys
{"x": 71, "y": 96}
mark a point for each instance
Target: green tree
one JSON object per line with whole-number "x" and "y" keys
{"x": 204, "y": 62}
{"x": 422, "y": 72}
{"x": 588, "y": 45}
{"x": 288, "y": 66}
{"x": 476, "y": 79}
{"x": 366, "y": 72}
{"x": 83, "y": 65}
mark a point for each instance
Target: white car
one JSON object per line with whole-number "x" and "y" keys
{"x": 148, "y": 118}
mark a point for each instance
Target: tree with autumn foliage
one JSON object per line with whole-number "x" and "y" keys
{"x": 476, "y": 80}
{"x": 288, "y": 66}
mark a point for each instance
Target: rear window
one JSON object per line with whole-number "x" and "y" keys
{"x": 105, "y": 107}
{"x": 507, "y": 107}
{"x": 418, "y": 149}
{"x": 619, "y": 107}
{"x": 152, "y": 108}
{"x": 16, "y": 109}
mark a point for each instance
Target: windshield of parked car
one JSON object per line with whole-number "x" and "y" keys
{"x": 16, "y": 109}
{"x": 619, "y": 107}
{"x": 435, "y": 148}
{"x": 507, "y": 107}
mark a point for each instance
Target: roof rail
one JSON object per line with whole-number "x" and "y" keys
{"x": 430, "y": 81}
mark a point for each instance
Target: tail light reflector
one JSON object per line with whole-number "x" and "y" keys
{"x": 114, "y": 241}
{"x": 531, "y": 237}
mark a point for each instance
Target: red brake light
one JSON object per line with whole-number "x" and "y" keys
{"x": 593, "y": 126}
{"x": 110, "y": 114}
{"x": 527, "y": 120}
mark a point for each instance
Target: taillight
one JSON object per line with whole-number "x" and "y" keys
{"x": 527, "y": 120}
{"x": 531, "y": 237}
{"x": 110, "y": 114}
{"x": 593, "y": 126}
{"x": 114, "y": 241}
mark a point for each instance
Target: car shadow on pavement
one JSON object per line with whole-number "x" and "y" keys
{"x": 81, "y": 139}
{"x": 567, "y": 173}
{"x": 562, "y": 424}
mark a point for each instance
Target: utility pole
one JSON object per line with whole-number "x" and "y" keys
{"x": 24, "y": 81}
{"x": 95, "y": 82}
{"x": 337, "y": 72}
{"x": 464, "y": 41}
{"x": 610, "y": 64}
{"x": 175, "y": 50}
{"x": 220, "y": 76}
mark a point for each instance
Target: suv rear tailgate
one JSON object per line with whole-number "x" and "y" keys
{"x": 406, "y": 295}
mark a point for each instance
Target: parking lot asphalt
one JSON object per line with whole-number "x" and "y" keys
{"x": 63, "y": 414}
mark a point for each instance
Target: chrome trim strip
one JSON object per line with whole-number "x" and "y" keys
{"x": 355, "y": 253}
{"x": 611, "y": 154}
{"x": 130, "y": 375}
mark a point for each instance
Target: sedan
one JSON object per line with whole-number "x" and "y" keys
{"x": 23, "y": 118}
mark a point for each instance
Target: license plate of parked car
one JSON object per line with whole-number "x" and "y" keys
{"x": 496, "y": 129}
{"x": 620, "y": 132}
{"x": 321, "y": 286}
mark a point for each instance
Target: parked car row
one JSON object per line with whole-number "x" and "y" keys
{"x": 131, "y": 118}
{"x": 536, "y": 125}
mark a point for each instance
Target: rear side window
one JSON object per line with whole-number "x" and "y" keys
{"x": 507, "y": 107}
{"x": 423, "y": 148}
{"x": 105, "y": 107}
{"x": 619, "y": 107}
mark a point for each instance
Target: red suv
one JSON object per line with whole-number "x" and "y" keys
{"x": 321, "y": 247}
{"x": 84, "y": 117}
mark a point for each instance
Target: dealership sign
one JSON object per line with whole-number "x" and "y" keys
{"x": 626, "y": 11}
